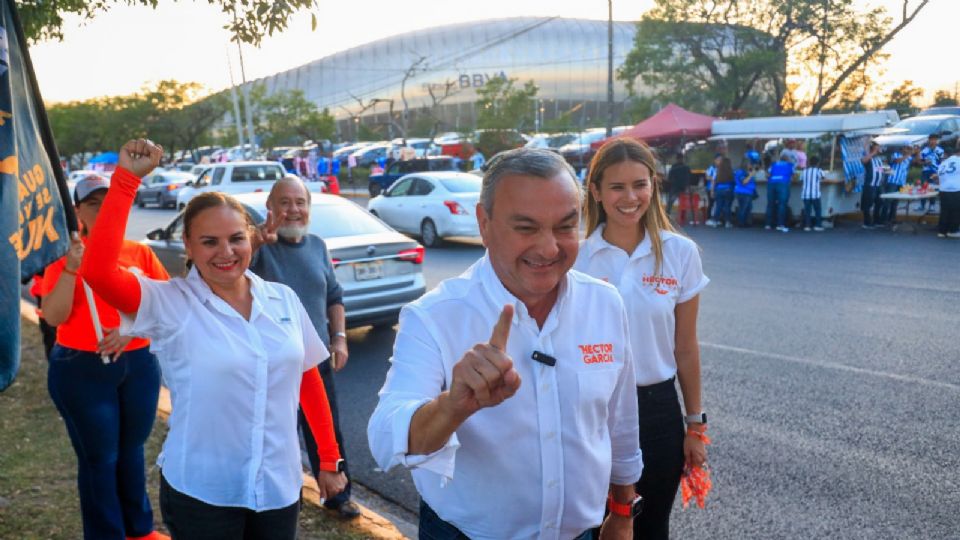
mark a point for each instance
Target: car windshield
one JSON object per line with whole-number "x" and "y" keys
{"x": 560, "y": 140}
{"x": 462, "y": 184}
{"x": 919, "y": 126}
{"x": 335, "y": 220}
{"x": 174, "y": 178}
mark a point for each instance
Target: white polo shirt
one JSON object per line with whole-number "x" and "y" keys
{"x": 234, "y": 385}
{"x": 539, "y": 464}
{"x": 650, "y": 299}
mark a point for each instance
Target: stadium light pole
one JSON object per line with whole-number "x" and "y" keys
{"x": 609, "y": 68}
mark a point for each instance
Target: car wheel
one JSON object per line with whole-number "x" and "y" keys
{"x": 140, "y": 202}
{"x": 182, "y": 206}
{"x": 374, "y": 189}
{"x": 428, "y": 233}
{"x": 374, "y": 214}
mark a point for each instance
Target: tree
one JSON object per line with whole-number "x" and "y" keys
{"x": 806, "y": 54}
{"x": 501, "y": 106}
{"x": 901, "y": 98}
{"x": 288, "y": 117}
{"x": 715, "y": 65}
{"x": 250, "y": 19}
{"x": 943, "y": 98}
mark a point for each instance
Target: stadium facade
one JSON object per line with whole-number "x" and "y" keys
{"x": 566, "y": 59}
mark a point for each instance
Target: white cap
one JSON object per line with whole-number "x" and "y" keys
{"x": 87, "y": 185}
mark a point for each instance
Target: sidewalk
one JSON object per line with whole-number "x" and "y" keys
{"x": 318, "y": 521}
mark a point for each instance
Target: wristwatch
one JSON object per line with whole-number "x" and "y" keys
{"x": 699, "y": 418}
{"x": 340, "y": 334}
{"x": 631, "y": 509}
{"x": 333, "y": 466}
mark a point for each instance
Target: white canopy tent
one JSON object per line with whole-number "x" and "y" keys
{"x": 804, "y": 127}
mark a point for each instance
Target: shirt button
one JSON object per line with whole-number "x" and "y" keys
{"x": 552, "y": 484}
{"x": 545, "y": 387}
{"x": 551, "y": 434}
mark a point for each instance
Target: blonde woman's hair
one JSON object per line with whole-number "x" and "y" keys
{"x": 655, "y": 219}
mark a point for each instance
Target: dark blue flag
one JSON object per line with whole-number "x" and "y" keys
{"x": 33, "y": 227}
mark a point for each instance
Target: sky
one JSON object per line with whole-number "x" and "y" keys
{"x": 128, "y": 47}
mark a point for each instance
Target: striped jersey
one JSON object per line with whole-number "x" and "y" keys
{"x": 931, "y": 158}
{"x": 874, "y": 172}
{"x": 900, "y": 169}
{"x": 811, "y": 178}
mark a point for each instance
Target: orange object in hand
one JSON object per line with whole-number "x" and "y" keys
{"x": 695, "y": 482}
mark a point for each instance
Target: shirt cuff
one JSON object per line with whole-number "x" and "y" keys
{"x": 441, "y": 462}
{"x": 687, "y": 295}
{"x": 626, "y": 471}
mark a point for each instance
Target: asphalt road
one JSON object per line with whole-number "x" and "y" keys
{"x": 830, "y": 378}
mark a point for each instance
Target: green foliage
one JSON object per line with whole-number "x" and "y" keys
{"x": 703, "y": 66}
{"x": 289, "y": 118}
{"x": 172, "y": 114}
{"x": 251, "y": 20}
{"x": 943, "y": 98}
{"x": 501, "y": 106}
{"x": 902, "y": 97}
{"x": 797, "y": 55}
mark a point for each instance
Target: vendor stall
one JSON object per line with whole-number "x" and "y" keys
{"x": 840, "y": 140}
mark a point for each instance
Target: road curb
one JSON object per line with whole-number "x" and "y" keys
{"x": 370, "y": 523}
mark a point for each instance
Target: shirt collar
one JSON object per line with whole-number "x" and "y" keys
{"x": 500, "y": 296}
{"x": 258, "y": 288}
{"x": 595, "y": 243}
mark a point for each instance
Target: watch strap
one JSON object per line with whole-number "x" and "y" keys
{"x": 332, "y": 466}
{"x": 698, "y": 418}
{"x": 630, "y": 509}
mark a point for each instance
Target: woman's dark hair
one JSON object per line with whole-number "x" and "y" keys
{"x": 725, "y": 171}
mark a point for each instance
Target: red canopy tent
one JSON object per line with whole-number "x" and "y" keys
{"x": 671, "y": 123}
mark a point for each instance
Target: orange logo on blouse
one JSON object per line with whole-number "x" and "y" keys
{"x": 660, "y": 284}
{"x": 599, "y": 353}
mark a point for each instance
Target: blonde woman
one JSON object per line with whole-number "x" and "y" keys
{"x": 631, "y": 244}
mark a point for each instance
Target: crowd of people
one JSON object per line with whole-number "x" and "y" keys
{"x": 882, "y": 174}
{"x": 600, "y": 437}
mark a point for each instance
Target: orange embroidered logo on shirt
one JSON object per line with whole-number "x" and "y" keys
{"x": 598, "y": 353}
{"x": 660, "y": 284}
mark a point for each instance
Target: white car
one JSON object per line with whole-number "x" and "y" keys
{"x": 432, "y": 205}
{"x": 234, "y": 177}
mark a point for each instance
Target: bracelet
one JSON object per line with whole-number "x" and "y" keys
{"x": 69, "y": 271}
{"x": 700, "y": 434}
{"x": 340, "y": 334}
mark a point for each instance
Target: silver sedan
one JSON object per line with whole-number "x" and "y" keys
{"x": 379, "y": 269}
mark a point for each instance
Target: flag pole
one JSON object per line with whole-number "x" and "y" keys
{"x": 46, "y": 134}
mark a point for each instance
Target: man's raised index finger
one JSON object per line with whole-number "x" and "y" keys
{"x": 501, "y": 332}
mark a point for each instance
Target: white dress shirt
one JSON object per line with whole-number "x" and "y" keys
{"x": 539, "y": 464}
{"x": 650, "y": 299}
{"x": 234, "y": 385}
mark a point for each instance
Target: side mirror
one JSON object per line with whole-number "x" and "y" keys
{"x": 189, "y": 183}
{"x": 157, "y": 234}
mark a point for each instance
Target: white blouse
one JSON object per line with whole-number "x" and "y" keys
{"x": 234, "y": 385}
{"x": 650, "y": 299}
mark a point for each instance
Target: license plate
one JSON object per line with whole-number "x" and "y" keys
{"x": 368, "y": 270}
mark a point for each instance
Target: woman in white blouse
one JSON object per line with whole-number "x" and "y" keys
{"x": 236, "y": 353}
{"x": 631, "y": 244}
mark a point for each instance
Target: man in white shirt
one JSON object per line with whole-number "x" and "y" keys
{"x": 516, "y": 417}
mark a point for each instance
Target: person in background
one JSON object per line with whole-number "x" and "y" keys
{"x": 47, "y": 333}
{"x": 778, "y": 193}
{"x": 477, "y": 159}
{"x": 709, "y": 178}
{"x": 105, "y": 388}
{"x": 810, "y": 194}
{"x": 872, "y": 184}
{"x": 300, "y": 260}
{"x": 517, "y": 419}
{"x": 678, "y": 180}
{"x": 723, "y": 185}
{"x": 948, "y": 174}
{"x": 237, "y": 353}
{"x": 930, "y": 157}
{"x": 900, "y": 165}
{"x": 745, "y": 190}
{"x": 632, "y": 245}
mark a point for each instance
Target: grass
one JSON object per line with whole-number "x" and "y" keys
{"x": 38, "y": 493}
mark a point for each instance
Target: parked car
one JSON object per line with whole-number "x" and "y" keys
{"x": 380, "y": 182}
{"x": 433, "y": 205}
{"x": 162, "y": 188}
{"x": 368, "y": 155}
{"x": 578, "y": 149}
{"x": 234, "y": 177}
{"x": 379, "y": 269}
{"x": 344, "y": 152}
{"x": 916, "y": 130}
{"x": 955, "y": 110}
{"x": 550, "y": 141}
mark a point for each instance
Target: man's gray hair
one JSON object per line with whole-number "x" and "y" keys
{"x": 537, "y": 162}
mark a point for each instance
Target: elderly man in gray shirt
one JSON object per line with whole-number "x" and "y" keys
{"x": 290, "y": 255}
